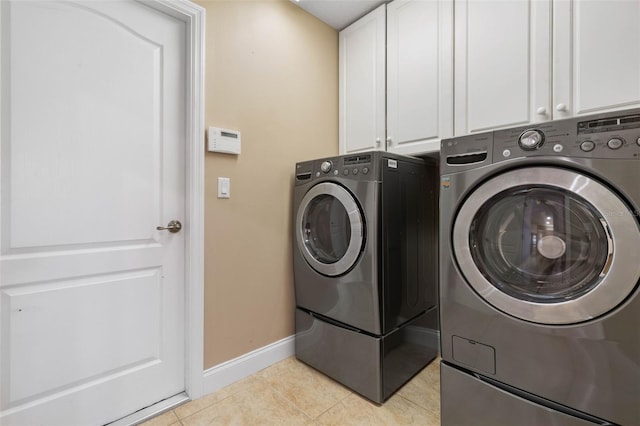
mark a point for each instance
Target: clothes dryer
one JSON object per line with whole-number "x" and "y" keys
{"x": 365, "y": 268}
{"x": 539, "y": 270}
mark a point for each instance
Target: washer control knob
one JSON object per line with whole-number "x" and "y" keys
{"x": 531, "y": 139}
{"x": 615, "y": 143}
{"x": 587, "y": 146}
{"x": 326, "y": 166}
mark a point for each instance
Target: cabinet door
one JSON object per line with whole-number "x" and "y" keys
{"x": 596, "y": 59}
{"x": 502, "y": 55}
{"x": 419, "y": 75}
{"x": 362, "y": 83}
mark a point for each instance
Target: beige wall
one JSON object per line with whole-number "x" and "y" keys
{"x": 271, "y": 73}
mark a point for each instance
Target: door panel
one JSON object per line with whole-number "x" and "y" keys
{"x": 502, "y": 64}
{"x": 93, "y": 134}
{"x": 419, "y": 75}
{"x": 78, "y": 106}
{"x": 117, "y": 311}
{"x": 595, "y": 71}
{"x": 569, "y": 258}
{"x": 362, "y": 83}
{"x": 331, "y": 229}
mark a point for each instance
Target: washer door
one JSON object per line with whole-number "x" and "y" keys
{"x": 330, "y": 229}
{"x": 547, "y": 245}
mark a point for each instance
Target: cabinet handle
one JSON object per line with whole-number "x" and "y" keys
{"x": 389, "y": 141}
{"x": 561, "y": 108}
{"x": 541, "y": 111}
{"x": 377, "y": 141}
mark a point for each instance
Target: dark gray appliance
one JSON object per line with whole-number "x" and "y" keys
{"x": 539, "y": 270}
{"x": 365, "y": 268}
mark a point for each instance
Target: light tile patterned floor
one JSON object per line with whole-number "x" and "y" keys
{"x": 291, "y": 393}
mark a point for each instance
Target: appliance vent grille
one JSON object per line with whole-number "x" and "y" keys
{"x": 357, "y": 159}
{"x": 609, "y": 124}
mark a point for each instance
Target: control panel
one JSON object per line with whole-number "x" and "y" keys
{"x": 614, "y": 135}
{"x": 611, "y": 137}
{"x": 357, "y": 166}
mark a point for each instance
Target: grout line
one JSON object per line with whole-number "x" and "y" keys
{"x": 287, "y": 399}
{"x": 209, "y": 405}
{"x": 319, "y": 415}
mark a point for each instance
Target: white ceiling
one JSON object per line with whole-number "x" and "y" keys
{"x": 338, "y": 13}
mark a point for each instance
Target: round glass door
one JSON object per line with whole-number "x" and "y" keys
{"x": 543, "y": 244}
{"x": 331, "y": 229}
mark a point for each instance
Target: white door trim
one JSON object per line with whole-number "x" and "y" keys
{"x": 194, "y": 17}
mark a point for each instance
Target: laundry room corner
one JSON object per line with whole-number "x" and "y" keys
{"x": 271, "y": 74}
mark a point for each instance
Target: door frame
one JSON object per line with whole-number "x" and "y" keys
{"x": 194, "y": 18}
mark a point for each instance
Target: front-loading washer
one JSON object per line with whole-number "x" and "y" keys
{"x": 365, "y": 268}
{"x": 539, "y": 270}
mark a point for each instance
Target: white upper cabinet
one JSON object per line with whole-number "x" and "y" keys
{"x": 501, "y": 63}
{"x": 410, "y": 108}
{"x": 362, "y": 83}
{"x": 419, "y": 75}
{"x": 519, "y": 62}
{"x": 596, "y": 56}
{"x": 515, "y": 63}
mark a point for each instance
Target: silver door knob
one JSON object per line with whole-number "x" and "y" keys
{"x": 173, "y": 227}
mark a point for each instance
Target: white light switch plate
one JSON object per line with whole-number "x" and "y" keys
{"x": 224, "y": 187}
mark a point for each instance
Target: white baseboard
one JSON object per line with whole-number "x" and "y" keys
{"x": 231, "y": 371}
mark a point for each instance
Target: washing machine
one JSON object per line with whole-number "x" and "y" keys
{"x": 365, "y": 268}
{"x": 539, "y": 270}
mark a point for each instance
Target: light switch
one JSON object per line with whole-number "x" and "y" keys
{"x": 224, "y": 187}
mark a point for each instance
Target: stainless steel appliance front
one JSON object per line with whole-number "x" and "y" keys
{"x": 539, "y": 269}
{"x": 365, "y": 268}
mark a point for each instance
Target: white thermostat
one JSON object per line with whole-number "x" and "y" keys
{"x": 223, "y": 140}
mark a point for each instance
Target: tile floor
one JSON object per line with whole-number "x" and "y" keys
{"x": 291, "y": 393}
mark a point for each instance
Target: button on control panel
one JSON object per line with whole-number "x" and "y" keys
{"x": 615, "y": 143}
{"x": 587, "y": 146}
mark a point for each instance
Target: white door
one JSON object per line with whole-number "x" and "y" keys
{"x": 595, "y": 71}
{"x": 502, "y": 68}
{"x": 92, "y": 160}
{"x": 362, "y": 83}
{"x": 419, "y": 75}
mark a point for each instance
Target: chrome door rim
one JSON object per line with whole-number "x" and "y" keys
{"x": 355, "y": 223}
{"x": 623, "y": 268}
